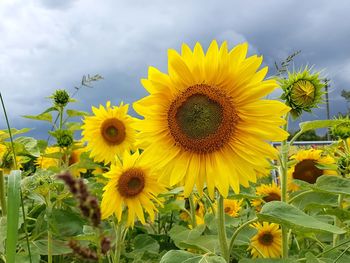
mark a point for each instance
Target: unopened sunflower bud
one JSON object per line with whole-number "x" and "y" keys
{"x": 60, "y": 98}
{"x": 64, "y": 138}
{"x": 344, "y": 165}
{"x": 342, "y": 130}
{"x": 302, "y": 91}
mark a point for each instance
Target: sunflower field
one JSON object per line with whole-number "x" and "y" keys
{"x": 205, "y": 173}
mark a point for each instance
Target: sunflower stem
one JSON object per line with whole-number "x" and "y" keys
{"x": 2, "y": 194}
{"x": 49, "y": 233}
{"x": 337, "y": 222}
{"x": 239, "y": 229}
{"x": 193, "y": 210}
{"x": 221, "y": 229}
{"x": 118, "y": 241}
{"x": 283, "y": 176}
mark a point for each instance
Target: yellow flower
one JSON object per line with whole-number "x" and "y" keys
{"x": 268, "y": 193}
{"x": 267, "y": 242}
{"x": 306, "y": 168}
{"x": 108, "y": 132}
{"x": 74, "y": 159}
{"x": 205, "y": 121}
{"x": 46, "y": 162}
{"x": 133, "y": 186}
{"x": 199, "y": 211}
{"x": 232, "y": 207}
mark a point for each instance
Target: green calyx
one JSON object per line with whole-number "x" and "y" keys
{"x": 60, "y": 98}
{"x": 303, "y": 91}
{"x": 64, "y": 138}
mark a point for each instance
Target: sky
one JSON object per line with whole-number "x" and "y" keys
{"x": 48, "y": 44}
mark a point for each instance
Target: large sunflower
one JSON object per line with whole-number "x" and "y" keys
{"x": 108, "y": 132}
{"x": 132, "y": 186}
{"x": 307, "y": 167}
{"x": 268, "y": 193}
{"x": 267, "y": 242}
{"x": 205, "y": 120}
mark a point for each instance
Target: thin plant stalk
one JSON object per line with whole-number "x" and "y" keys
{"x": 2, "y": 194}
{"x": 49, "y": 233}
{"x": 222, "y": 230}
{"x": 15, "y": 166}
{"x": 118, "y": 227}
{"x": 193, "y": 210}
{"x": 283, "y": 176}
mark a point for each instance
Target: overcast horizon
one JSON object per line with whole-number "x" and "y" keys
{"x": 48, "y": 45}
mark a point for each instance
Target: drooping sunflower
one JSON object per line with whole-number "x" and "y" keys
{"x": 268, "y": 193}
{"x": 232, "y": 206}
{"x": 50, "y": 158}
{"x": 108, "y": 132}
{"x": 200, "y": 119}
{"x": 131, "y": 186}
{"x": 305, "y": 168}
{"x": 267, "y": 242}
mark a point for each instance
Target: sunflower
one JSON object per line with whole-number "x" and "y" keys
{"x": 267, "y": 242}
{"x": 133, "y": 186}
{"x": 108, "y": 132}
{"x": 268, "y": 193}
{"x": 184, "y": 215}
{"x": 200, "y": 119}
{"x": 307, "y": 167}
{"x": 232, "y": 206}
{"x": 74, "y": 160}
{"x": 50, "y": 158}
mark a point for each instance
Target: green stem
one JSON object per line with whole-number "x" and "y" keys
{"x": 49, "y": 234}
{"x": 337, "y": 222}
{"x": 341, "y": 254}
{"x": 239, "y": 229}
{"x": 221, "y": 229}
{"x": 118, "y": 241}
{"x": 283, "y": 174}
{"x": 193, "y": 210}
{"x": 2, "y": 194}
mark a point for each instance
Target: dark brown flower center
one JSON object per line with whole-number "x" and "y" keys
{"x": 272, "y": 197}
{"x": 266, "y": 238}
{"x": 131, "y": 182}
{"x": 227, "y": 209}
{"x": 307, "y": 171}
{"x": 113, "y": 131}
{"x": 202, "y": 119}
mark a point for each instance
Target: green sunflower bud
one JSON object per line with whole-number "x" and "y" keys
{"x": 64, "y": 138}
{"x": 344, "y": 165}
{"x": 303, "y": 91}
{"x": 342, "y": 130}
{"x": 60, "y": 98}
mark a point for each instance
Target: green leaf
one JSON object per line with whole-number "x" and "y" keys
{"x": 318, "y": 124}
{"x": 5, "y": 135}
{"x": 13, "y": 202}
{"x": 175, "y": 256}
{"x": 30, "y": 145}
{"x": 175, "y": 205}
{"x": 2, "y": 233}
{"x": 66, "y": 223}
{"x": 179, "y": 233}
{"x": 290, "y": 216}
{"x": 315, "y": 200}
{"x": 207, "y": 243}
{"x": 144, "y": 242}
{"x": 75, "y": 113}
{"x": 40, "y": 117}
{"x": 73, "y": 126}
{"x": 58, "y": 247}
{"x": 333, "y": 184}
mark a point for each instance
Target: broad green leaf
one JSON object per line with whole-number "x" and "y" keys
{"x": 2, "y": 233}
{"x": 318, "y": 124}
{"x": 311, "y": 258}
{"x": 144, "y": 242}
{"x": 30, "y": 145}
{"x": 66, "y": 223}
{"x": 13, "y": 203}
{"x": 23, "y": 257}
{"x": 315, "y": 200}
{"x": 4, "y": 134}
{"x": 180, "y": 233}
{"x": 41, "y": 117}
{"x": 176, "y": 256}
{"x": 290, "y": 216}
{"x": 333, "y": 184}
{"x": 175, "y": 205}
{"x": 58, "y": 247}
{"x": 73, "y": 126}
{"x": 206, "y": 243}
{"x": 75, "y": 113}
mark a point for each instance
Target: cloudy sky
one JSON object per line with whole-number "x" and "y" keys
{"x": 50, "y": 44}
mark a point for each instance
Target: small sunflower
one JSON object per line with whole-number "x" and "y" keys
{"x": 108, "y": 132}
{"x": 199, "y": 211}
{"x": 132, "y": 186}
{"x": 50, "y": 158}
{"x": 200, "y": 118}
{"x": 306, "y": 168}
{"x": 232, "y": 206}
{"x": 302, "y": 91}
{"x": 74, "y": 159}
{"x": 267, "y": 242}
{"x": 268, "y": 193}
